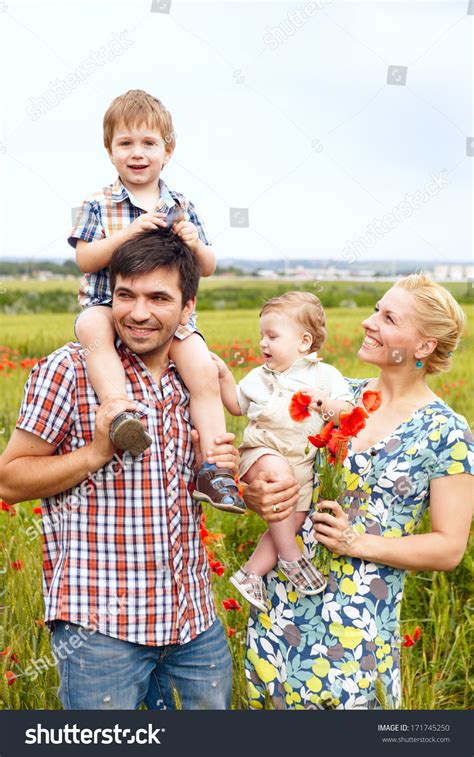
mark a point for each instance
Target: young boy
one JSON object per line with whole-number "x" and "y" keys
{"x": 139, "y": 138}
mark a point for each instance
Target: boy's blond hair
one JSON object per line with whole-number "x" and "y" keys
{"x": 304, "y": 308}
{"x": 135, "y": 108}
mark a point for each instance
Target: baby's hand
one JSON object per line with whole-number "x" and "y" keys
{"x": 222, "y": 368}
{"x": 146, "y": 222}
{"x": 188, "y": 233}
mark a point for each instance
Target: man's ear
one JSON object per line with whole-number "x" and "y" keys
{"x": 425, "y": 349}
{"x": 187, "y": 310}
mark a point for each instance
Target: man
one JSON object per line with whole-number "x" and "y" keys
{"x": 126, "y": 583}
{"x": 125, "y": 580}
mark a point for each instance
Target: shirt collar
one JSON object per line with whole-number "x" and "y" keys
{"x": 120, "y": 193}
{"x": 134, "y": 358}
{"x": 312, "y": 357}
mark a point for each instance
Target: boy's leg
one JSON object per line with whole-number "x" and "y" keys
{"x": 95, "y": 331}
{"x": 199, "y": 373}
{"x": 193, "y": 676}
{"x": 99, "y": 672}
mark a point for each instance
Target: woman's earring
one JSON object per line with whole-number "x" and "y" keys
{"x": 419, "y": 364}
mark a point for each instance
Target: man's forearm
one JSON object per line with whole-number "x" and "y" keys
{"x": 38, "y": 476}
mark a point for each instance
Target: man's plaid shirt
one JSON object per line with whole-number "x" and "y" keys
{"x": 121, "y": 550}
{"x": 113, "y": 209}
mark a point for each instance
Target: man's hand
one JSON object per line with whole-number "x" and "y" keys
{"x": 145, "y": 222}
{"x": 224, "y": 454}
{"x": 188, "y": 234}
{"x": 271, "y": 498}
{"x": 101, "y": 449}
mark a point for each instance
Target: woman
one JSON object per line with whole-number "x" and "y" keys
{"x": 415, "y": 452}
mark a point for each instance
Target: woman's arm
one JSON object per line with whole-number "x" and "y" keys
{"x": 442, "y": 549}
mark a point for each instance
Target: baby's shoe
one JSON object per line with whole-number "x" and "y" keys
{"x": 218, "y": 487}
{"x": 303, "y": 575}
{"x": 252, "y": 588}
{"x": 128, "y": 433}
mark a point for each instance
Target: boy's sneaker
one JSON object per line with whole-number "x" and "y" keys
{"x": 252, "y": 588}
{"x": 128, "y": 433}
{"x": 217, "y": 486}
{"x": 303, "y": 575}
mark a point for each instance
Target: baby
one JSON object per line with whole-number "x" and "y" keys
{"x": 139, "y": 138}
{"x": 293, "y": 328}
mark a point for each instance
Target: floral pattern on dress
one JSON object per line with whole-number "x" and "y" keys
{"x": 328, "y": 650}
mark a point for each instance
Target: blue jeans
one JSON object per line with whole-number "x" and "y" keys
{"x": 99, "y": 672}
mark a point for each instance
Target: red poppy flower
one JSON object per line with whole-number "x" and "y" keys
{"x": 14, "y": 658}
{"x": 17, "y": 565}
{"x": 321, "y": 440}
{"x": 37, "y": 510}
{"x": 371, "y": 400}
{"x": 10, "y": 676}
{"x": 417, "y": 633}
{"x": 337, "y": 446}
{"x": 231, "y": 604}
{"x": 7, "y": 508}
{"x": 408, "y": 641}
{"x": 217, "y": 567}
{"x": 353, "y": 422}
{"x": 299, "y": 406}
{"x": 230, "y": 632}
{"x": 5, "y": 652}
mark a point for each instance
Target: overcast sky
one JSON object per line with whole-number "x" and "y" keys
{"x": 288, "y": 115}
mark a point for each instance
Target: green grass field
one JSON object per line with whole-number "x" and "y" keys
{"x": 435, "y": 670}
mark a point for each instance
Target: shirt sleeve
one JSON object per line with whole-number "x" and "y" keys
{"x": 88, "y": 226}
{"x": 453, "y": 448}
{"x": 49, "y": 399}
{"x": 340, "y": 389}
{"x": 196, "y": 220}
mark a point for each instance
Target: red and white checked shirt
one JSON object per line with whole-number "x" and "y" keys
{"x": 121, "y": 550}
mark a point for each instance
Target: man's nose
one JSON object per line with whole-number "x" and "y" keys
{"x": 140, "y": 311}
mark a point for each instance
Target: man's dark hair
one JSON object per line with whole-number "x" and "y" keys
{"x": 152, "y": 250}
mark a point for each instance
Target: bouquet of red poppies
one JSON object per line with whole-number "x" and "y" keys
{"x": 332, "y": 445}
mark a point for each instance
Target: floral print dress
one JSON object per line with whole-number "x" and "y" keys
{"x": 328, "y": 650}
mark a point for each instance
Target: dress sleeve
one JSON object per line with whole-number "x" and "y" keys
{"x": 88, "y": 226}
{"x": 49, "y": 399}
{"x": 453, "y": 449}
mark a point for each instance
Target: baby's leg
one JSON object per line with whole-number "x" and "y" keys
{"x": 199, "y": 373}
{"x": 95, "y": 331}
{"x": 280, "y": 539}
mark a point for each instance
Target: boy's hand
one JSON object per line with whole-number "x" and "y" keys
{"x": 188, "y": 234}
{"x": 224, "y": 454}
{"x": 222, "y": 368}
{"x": 145, "y": 222}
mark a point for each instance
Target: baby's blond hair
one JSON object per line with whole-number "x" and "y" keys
{"x": 134, "y": 108}
{"x": 438, "y": 317}
{"x": 305, "y": 309}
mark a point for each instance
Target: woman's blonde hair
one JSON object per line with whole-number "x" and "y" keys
{"x": 134, "y": 108}
{"x": 439, "y": 317}
{"x": 305, "y": 309}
